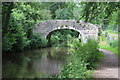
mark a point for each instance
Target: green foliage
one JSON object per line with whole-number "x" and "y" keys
{"x": 54, "y": 39}
{"x": 15, "y": 39}
{"x": 18, "y": 35}
{"x": 37, "y": 41}
{"x": 45, "y": 14}
{"x": 23, "y": 16}
{"x": 88, "y": 51}
{"x": 69, "y": 11}
{"x": 93, "y": 54}
{"x": 82, "y": 58}
{"x": 62, "y": 37}
{"x": 113, "y": 43}
{"x": 114, "y": 18}
{"x": 97, "y": 11}
{"x": 75, "y": 69}
{"x": 8, "y": 41}
{"x": 63, "y": 14}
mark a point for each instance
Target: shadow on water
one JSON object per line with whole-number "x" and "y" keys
{"x": 40, "y": 63}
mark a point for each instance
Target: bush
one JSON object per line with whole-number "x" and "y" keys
{"x": 88, "y": 51}
{"x": 82, "y": 58}
{"x": 76, "y": 68}
{"x": 18, "y": 41}
{"x": 92, "y": 52}
{"x": 54, "y": 40}
{"x": 37, "y": 41}
{"x": 15, "y": 39}
{"x": 8, "y": 41}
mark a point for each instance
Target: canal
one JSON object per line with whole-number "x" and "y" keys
{"x": 39, "y": 63}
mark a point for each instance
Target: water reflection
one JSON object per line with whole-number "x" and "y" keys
{"x": 34, "y": 64}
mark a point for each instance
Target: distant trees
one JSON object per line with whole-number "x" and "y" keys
{"x": 100, "y": 12}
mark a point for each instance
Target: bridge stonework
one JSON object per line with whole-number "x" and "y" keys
{"x": 86, "y": 30}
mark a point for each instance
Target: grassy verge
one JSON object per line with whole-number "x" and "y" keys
{"x": 111, "y": 32}
{"x": 104, "y": 44}
{"x": 109, "y": 48}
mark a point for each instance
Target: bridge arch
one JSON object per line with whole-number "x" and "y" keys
{"x": 86, "y": 30}
{"x": 54, "y": 30}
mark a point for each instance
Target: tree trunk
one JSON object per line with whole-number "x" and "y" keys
{"x": 7, "y": 17}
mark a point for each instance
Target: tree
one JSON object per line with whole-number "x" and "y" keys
{"x": 96, "y": 11}
{"x": 7, "y": 10}
{"x": 22, "y": 18}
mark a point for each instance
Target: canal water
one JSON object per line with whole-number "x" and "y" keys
{"x": 40, "y": 63}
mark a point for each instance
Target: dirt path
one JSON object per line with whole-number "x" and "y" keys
{"x": 108, "y": 67}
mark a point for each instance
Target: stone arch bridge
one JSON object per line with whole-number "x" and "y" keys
{"x": 86, "y": 30}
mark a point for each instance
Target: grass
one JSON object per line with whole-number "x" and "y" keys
{"x": 111, "y": 32}
{"x": 104, "y": 45}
